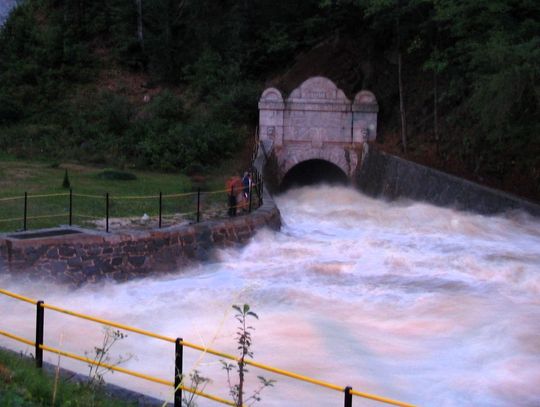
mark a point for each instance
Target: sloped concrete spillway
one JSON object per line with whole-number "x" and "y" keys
{"x": 422, "y": 304}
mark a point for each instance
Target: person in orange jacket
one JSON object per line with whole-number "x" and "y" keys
{"x": 234, "y": 191}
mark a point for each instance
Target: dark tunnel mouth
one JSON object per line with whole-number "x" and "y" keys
{"x": 313, "y": 172}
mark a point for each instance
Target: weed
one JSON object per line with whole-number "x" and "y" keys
{"x": 244, "y": 341}
{"x": 197, "y": 383}
{"x": 102, "y": 357}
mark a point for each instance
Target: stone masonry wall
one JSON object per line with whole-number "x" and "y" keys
{"x": 384, "y": 175}
{"x": 92, "y": 256}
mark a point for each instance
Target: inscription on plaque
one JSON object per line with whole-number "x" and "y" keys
{"x": 316, "y": 94}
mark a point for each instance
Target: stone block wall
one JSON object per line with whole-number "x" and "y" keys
{"x": 384, "y": 175}
{"x": 92, "y": 256}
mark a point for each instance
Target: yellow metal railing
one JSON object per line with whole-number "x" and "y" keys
{"x": 117, "y": 368}
{"x": 349, "y": 392}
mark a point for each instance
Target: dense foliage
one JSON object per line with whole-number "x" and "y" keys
{"x": 464, "y": 74}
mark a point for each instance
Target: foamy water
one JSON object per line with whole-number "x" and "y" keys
{"x": 405, "y": 300}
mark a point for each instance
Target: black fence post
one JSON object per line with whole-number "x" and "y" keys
{"x": 107, "y": 212}
{"x": 348, "y": 396}
{"x": 179, "y": 356}
{"x": 232, "y": 202}
{"x": 70, "y": 206}
{"x": 250, "y": 191}
{"x": 160, "y": 207}
{"x": 25, "y": 209}
{"x": 40, "y": 311}
{"x": 198, "y": 205}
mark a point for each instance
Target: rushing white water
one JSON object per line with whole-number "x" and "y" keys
{"x": 406, "y": 300}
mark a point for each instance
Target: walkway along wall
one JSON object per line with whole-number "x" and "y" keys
{"x": 91, "y": 256}
{"x": 387, "y": 176}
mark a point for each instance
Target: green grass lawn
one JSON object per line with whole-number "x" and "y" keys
{"x": 127, "y": 198}
{"x": 23, "y": 385}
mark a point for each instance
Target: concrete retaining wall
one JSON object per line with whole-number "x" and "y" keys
{"x": 387, "y": 176}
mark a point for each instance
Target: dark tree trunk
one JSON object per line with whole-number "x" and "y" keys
{"x": 400, "y": 85}
{"x": 140, "y": 37}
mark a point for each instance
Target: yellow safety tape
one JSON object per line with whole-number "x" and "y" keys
{"x": 11, "y": 220}
{"x": 47, "y": 195}
{"x": 219, "y": 191}
{"x": 89, "y": 196}
{"x": 180, "y": 195}
{"x": 119, "y": 197}
{"x": 17, "y": 338}
{"x": 47, "y": 216}
{"x": 127, "y": 197}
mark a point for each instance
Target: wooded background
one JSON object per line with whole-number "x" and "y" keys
{"x": 174, "y": 84}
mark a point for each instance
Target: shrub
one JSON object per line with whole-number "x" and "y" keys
{"x": 66, "y": 184}
{"x": 116, "y": 175}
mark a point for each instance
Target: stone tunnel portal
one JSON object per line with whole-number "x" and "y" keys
{"x": 312, "y": 172}
{"x": 318, "y": 122}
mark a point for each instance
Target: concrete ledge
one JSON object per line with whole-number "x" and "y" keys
{"x": 391, "y": 177}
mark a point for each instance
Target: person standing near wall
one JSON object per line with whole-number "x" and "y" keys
{"x": 231, "y": 196}
{"x": 235, "y": 193}
{"x": 247, "y": 186}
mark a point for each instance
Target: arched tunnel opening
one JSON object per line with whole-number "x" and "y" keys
{"x": 313, "y": 172}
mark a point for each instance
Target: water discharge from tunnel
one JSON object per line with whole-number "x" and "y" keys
{"x": 312, "y": 172}
{"x": 410, "y": 301}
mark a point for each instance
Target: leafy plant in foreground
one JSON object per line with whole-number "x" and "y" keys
{"x": 244, "y": 341}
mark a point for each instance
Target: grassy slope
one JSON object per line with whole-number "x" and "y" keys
{"x": 21, "y": 384}
{"x": 40, "y": 178}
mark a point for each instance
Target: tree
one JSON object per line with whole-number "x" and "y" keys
{"x": 496, "y": 47}
{"x": 399, "y": 17}
{"x": 244, "y": 341}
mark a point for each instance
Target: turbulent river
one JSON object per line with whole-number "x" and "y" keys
{"x": 406, "y": 300}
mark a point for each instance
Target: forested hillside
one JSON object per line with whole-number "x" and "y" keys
{"x": 173, "y": 84}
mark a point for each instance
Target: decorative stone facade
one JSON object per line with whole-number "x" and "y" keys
{"x": 317, "y": 121}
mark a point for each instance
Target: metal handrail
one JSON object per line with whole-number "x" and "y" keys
{"x": 116, "y": 368}
{"x": 268, "y": 368}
